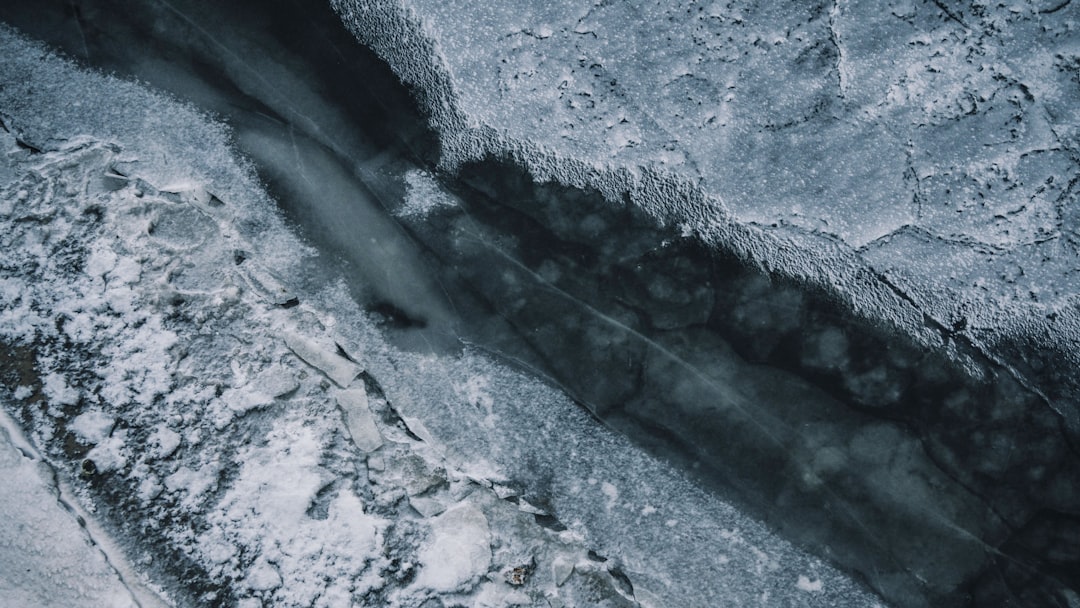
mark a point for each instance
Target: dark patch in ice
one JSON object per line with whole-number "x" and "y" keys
{"x": 395, "y": 317}
{"x": 596, "y": 557}
{"x": 549, "y": 521}
{"x": 320, "y": 506}
{"x": 23, "y": 144}
{"x": 185, "y": 580}
{"x": 381, "y": 406}
{"x": 775, "y": 376}
{"x": 621, "y": 581}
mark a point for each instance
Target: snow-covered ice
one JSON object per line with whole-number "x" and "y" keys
{"x": 459, "y": 551}
{"x": 47, "y": 558}
{"x": 884, "y": 376}
{"x": 915, "y": 162}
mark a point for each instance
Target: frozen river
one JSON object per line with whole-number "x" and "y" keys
{"x": 556, "y": 377}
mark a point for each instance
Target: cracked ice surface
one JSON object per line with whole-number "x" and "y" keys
{"x": 247, "y": 448}
{"x": 935, "y": 147}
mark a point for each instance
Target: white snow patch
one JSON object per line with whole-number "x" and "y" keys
{"x": 57, "y": 391}
{"x": 423, "y": 195}
{"x": 809, "y": 585}
{"x": 164, "y": 441}
{"x": 127, "y": 271}
{"x": 476, "y": 392}
{"x": 92, "y": 427}
{"x": 611, "y": 493}
{"x": 192, "y": 482}
{"x": 267, "y": 510}
{"x": 458, "y": 551}
{"x": 149, "y": 488}
{"x": 111, "y": 453}
{"x": 263, "y": 576}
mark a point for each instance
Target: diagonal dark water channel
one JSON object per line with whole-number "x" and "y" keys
{"x": 936, "y": 486}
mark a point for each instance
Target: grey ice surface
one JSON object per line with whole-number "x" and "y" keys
{"x": 920, "y": 159}
{"x": 197, "y": 410}
{"x": 915, "y": 162}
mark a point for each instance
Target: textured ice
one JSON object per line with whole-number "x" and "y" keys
{"x": 48, "y": 556}
{"x": 250, "y": 491}
{"x": 337, "y": 368}
{"x": 916, "y": 159}
{"x": 956, "y": 484}
{"x": 359, "y": 419}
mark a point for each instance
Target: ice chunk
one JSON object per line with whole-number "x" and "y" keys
{"x": 646, "y": 598}
{"x": 182, "y": 228}
{"x": 494, "y": 595}
{"x": 264, "y": 283}
{"x": 416, "y": 427}
{"x": 276, "y": 382}
{"x": 458, "y": 551}
{"x": 359, "y": 419}
{"x": 415, "y": 474}
{"x": 337, "y": 368}
{"x": 561, "y": 569}
{"x": 243, "y": 401}
{"x": 426, "y": 505}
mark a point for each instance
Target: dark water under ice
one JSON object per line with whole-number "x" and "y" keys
{"x": 933, "y": 486}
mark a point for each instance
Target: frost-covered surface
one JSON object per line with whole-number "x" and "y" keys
{"x": 249, "y": 443}
{"x": 47, "y": 558}
{"x": 920, "y": 159}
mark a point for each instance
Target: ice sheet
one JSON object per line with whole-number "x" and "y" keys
{"x": 814, "y": 138}
{"x": 250, "y": 490}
